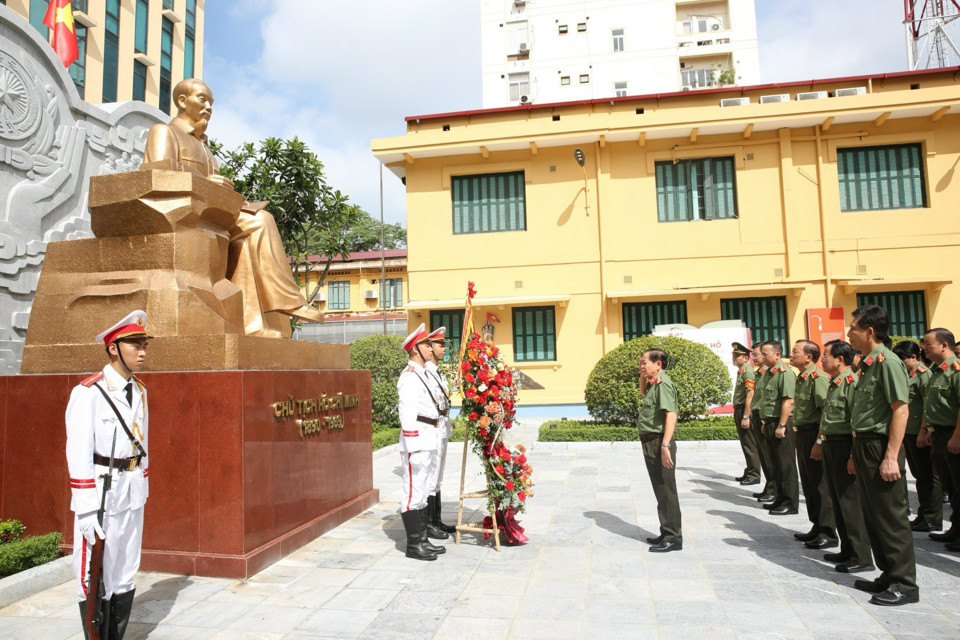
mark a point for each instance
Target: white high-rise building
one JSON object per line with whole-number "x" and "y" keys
{"x": 562, "y": 50}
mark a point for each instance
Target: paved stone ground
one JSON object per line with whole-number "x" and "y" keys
{"x": 584, "y": 574}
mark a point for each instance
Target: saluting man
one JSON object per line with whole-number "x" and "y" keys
{"x": 419, "y": 409}
{"x": 742, "y": 411}
{"x": 438, "y": 348}
{"x": 107, "y": 417}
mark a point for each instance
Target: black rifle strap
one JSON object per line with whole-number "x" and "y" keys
{"x": 429, "y": 391}
{"x": 123, "y": 424}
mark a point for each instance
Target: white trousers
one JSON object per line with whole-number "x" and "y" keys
{"x": 121, "y": 553}
{"x": 418, "y": 468}
{"x": 436, "y": 479}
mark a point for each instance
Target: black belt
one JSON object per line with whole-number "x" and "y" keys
{"x": 941, "y": 426}
{"x": 869, "y": 435}
{"x": 426, "y": 420}
{"x": 445, "y": 412}
{"x": 123, "y": 464}
{"x": 739, "y": 406}
{"x": 834, "y": 437}
{"x": 647, "y": 437}
{"x": 807, "y": 427}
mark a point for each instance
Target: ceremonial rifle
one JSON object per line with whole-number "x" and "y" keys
{"x": 92, "y": 614}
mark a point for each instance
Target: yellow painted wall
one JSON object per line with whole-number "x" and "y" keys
{"x": 790, "y": 238}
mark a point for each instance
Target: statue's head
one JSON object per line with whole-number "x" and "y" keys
{"x": 194, "y": 101}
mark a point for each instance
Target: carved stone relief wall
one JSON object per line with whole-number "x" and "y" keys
{"x": 51, "y": 143}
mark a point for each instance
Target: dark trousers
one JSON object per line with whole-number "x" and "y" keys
{"x": 929, "y": 489}
{"x": 749, "y": 444}
{"x": 819, "y": 504}
{"x": 842, "y": 489}
{"x": 664, "y": 482}
{"x": 947, "y": 466}
{"x": 884, "y": 507}
{"x": 766, "y": 455}
{"x": 784, "y": 459}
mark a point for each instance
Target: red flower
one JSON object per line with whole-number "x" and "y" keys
{"x": 510, "y": 485}
{"x": 506, "y": 457}
{"x": 473, "y": 416}
{"x": 499, "y": 469}
{"x": 470, "y": 290}
{"x": 522, "y": 496}
{"x": 465, "y": 366}
{"x": 470, "y": 392}
{"x": 522, "y": 459}
{"x": 469, "y": 377}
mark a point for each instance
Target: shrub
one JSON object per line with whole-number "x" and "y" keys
{"x": 612, "y": 393}
{"x": 385, "y": 359}
{"x": 381, "y": 439}
{"x": 11, "y": 530}
{"x": 31, "y": 551}
{"x": 713, "y": 428}
{"x": 895, "y": 339}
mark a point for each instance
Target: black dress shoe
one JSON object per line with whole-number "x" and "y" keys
{"x": 836, "y": 557}
{"x": 949, "y": 535}
{"x": 892, "y": 598}
{"x": 759, "y": 494}
{"x": 952, "y": 546}
{"x": 870, "y": 586}
{"x": 770, "y": 505}
{"x": 665, "y": 546}
{"x": 784, "y": 510}
{"x": 822, "y": 541}
{"x": 656, "y": 540}
{"x": 749, "y": 481}
{"x": 740, "y": 478}
{"x": 853, "y": 566}
{"x": 922, "y": 525}
{"x": 766, "y": 498}
{"x": 809, "y": 535}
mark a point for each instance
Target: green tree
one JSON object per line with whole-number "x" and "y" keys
{"x": 385, "y": 359}
{"x": 291, "y": 177}
{"x": 364, "y": 235}
{"x": 612, "y": 393}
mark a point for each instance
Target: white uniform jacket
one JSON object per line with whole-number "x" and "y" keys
{"x": 446, "y": 426}
{"x": 419, "y": 397}
{"x": 91, "y": 423}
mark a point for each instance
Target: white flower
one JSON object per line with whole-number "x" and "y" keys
{"x": 482, "y": 388}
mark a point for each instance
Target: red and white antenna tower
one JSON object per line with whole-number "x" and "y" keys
{"x": 929, "y": 24}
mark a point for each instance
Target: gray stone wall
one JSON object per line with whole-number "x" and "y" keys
{"x": 51, "y": 143}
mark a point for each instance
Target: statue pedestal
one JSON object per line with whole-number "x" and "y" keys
{"x": 233, "y": 488}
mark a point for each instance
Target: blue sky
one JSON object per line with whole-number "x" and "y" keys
{"x": 337, "y": 74}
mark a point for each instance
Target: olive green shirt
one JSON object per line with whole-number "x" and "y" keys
{"x": 760, "y": 380}
{"x": 661, "y": 397}
{"x": 781, "y": 383}
{"x": 745, "y": 380}
{"x": 883, "y": 381}
{"x": 942, "y": 399}
{"x": 919, "y": 378}
{"x": 811, "y": 395}
{"x": 835, "y": 420}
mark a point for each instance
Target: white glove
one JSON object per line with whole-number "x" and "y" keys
{"x": 90, "y": 528}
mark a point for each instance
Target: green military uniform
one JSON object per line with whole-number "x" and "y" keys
{"x": 837, "y": 437}
{"x": 929, "y": 489}
{"x": 659, "y": 398}
{"x": 748, "y": 437}
{"x": 756, "y": 425}
{"x": 940, "y": 406}
{"x": 780, "y": 384}
{"x": 808, "y": 405}
{"x": 883, "y": 381}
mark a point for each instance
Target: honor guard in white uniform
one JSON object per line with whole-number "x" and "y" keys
{"x": 438, "y": 346}
{"x": 419, "y": 409}
{"x": 107, "y": 426}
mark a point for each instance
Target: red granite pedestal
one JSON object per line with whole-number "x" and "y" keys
{"x": 233, "y": 487}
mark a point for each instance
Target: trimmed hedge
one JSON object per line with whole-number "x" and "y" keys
{"x": 713, "y": 428}
{"x": 385, "y": 359}
{"x": 384, "y": 436}
{"x": 29, "y": 552}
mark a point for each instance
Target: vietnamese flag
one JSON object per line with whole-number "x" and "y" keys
{"x": 59, "y": 18}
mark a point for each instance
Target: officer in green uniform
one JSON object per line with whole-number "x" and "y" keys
{"x": 940, "y": 411}
{"x": 879, "y": 419}
{"x": 769, "y": 492}
{"x": 776, "y": 406}
{"x": 835, "y": 447}
{"x": 929, "y": 491}
{"x": 742, "y": 409}
{"x": 658, "y": 419}
{"x": 812, "y": 384}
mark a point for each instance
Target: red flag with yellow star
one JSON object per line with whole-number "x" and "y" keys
{"x": 59, "y": 18}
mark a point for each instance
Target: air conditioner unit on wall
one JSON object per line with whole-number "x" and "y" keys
{"x": 369, "y": 294}
{"x": 734, "y": 102}
{"x": 779, "y": 97}
{"x": 812, "y": 95}
{"x": 524, "y": 99}
{"x": 850, "y": 91}
{"x": 320, "y": 297}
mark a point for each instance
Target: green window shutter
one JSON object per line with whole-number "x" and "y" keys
{"x": 639, "y": 318}
{"x": 140, "y": 26}
{"x": 488, "y": 203}
{"x": 453, "y": 321}
{"x": 766, "y": 317}
{"x": 338, "y": 294}
{"x": 907, "y": 311}
{"x": 882, "y": 177}
{"x": 534, "y": 334}
{"x": 699, "y": 189}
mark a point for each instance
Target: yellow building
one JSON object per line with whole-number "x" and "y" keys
{"x": 753, "y": 203}
{"x": 130, "y": 49}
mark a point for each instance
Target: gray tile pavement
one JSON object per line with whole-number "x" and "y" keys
{"x": 585, "y": 573}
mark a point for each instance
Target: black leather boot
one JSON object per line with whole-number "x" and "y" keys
{"x": 121, "y": 604}
{"x": 104, "y": 625}
{"x": 415, "y": 548}
{"x": 446, "y": 528}
{"x": 424, "y": 540}
{"x": 433, "y": 531}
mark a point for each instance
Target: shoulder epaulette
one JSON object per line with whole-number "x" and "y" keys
{"x": 859, "y": 372}
{"x": 815, "y": 374}
{"x": 409, "y": 367}
{"x": 89, "y": 381}
{"x": 850, "y": 378}
{"x": 956, "y": 365}
{"x": 881, "y": 357}
{"x": 656, "y": 380}
{"x": 921, "y": 368}
{"x": 741, "y": 370}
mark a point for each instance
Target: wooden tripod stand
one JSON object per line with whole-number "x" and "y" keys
{"x": 474, "y": 526}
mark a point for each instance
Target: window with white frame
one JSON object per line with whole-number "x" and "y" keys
{"x": 519, "y": 84}
{"x": 617, "y": 40}
{"x": 517, "y": 37}
{"x": 620, "y": 89}
{"x": 564, "y": 81}
{"x": 584, "y": 78}
{"x": 704, "y": 77}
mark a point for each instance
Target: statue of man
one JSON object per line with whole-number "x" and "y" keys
{"x": 257, "y": 262}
